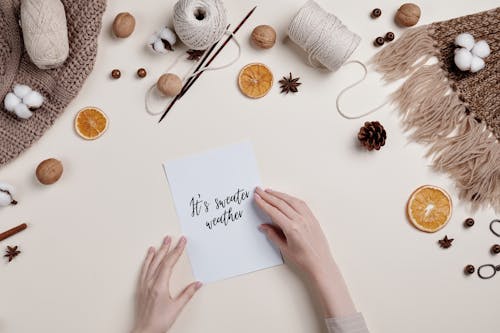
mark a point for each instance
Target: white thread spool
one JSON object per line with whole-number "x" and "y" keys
{"x": 200, "y": 23}
{"x": 323, "y": 36}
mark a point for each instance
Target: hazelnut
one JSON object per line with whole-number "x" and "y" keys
{"x": 264, "y": 36}
{"x": 408, "y": 15}
{"x": 49, "y": 171}
{"x": 123, "y": 25}
{"x": 169, "y": 84}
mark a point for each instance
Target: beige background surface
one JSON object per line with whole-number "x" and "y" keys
{"x": 88, "y": 233}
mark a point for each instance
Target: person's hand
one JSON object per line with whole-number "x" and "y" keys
{"x": 156, "y": 309}
{"x": 298, "y": 235}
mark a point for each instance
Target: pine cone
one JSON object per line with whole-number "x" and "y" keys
{"x": 372, "y": 135}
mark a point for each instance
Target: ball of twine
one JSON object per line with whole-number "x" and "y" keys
{"x": 199, "y": 23}
{"x": 323, "y": 36}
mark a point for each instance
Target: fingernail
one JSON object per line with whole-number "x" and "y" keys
{"x": 166, "y": 240}
{"x": 198, "y": 285}
{"x": 151, "y": 249}
{"x": 182, "y": 240}
{"x": 268, "y": 190}
{"x": 257, "y": 196}
{"x": 262, "y": 227}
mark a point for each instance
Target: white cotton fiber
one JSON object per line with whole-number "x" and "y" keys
{"x": 465, "y": 40}
{"x": 21, "y": 90}
{"x": 463, "y": 59}
{"x": 481, "y": 49}
{"x": 33, "y": 99}
{"x": 22, "y": 111}
{"x": 476, "y": 64}
{"x": 11, "y": 101}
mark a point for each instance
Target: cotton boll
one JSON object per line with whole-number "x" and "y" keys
{"x": 169, "y": 35}
{"x": 481, "y": 49}
{"x": 6, "y": 195}
{"x": 33, "y": 99}
{"x": 463, "y": 59}
{"x": 159, "y": 47}
{"x": 465, "y": 40}
{"x": 163, "y": 40}
{"x": 476, "y": 64}
{"x": 21, "y": 90}
{"x": 22, "y": 111}
{"x": 5, "y": 199}
{"x": 11, "y": 101}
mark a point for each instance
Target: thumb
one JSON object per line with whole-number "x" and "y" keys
{"x": 274, "y": 234}
{"x": 187, "y": 294}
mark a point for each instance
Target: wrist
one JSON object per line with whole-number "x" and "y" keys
{"x": 332, "y": 291}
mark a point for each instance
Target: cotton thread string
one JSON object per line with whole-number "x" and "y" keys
{"x": 200, "y": 23}
{"x": 328, "y": 44}
{"x": 322, "y": 35}
{"x": 337, "y": 101}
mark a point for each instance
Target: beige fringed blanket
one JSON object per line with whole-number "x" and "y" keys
{"x": 456, "y": 113}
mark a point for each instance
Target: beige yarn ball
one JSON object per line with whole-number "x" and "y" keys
{"x": 169, "y": 84}
{"x": 45, "y": 32}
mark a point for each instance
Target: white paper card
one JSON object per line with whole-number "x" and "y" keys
{"x": 213, "y": 195}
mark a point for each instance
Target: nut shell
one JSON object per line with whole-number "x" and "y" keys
{"x": 169, "y": 84}
{"x": 49, "y": 171}
{"x": 264, "y": 36}
{"x": 408, "y": 15}
{"x": 123, "y": 25}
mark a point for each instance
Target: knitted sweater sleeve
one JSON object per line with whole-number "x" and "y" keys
{"x": 350, "y": 324}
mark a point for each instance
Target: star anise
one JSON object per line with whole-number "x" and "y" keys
{"x": 11, "y": 252}
{"x": 194, "y": 54}
{"x": 445, "y": 242}
{"x": 289, "y": 84}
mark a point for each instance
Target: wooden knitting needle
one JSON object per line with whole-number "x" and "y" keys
{"x": 191, "y": 82}
{"x": 13, "y": 231}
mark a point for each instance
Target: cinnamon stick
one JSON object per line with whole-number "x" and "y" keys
{"x": 13, "y": 231}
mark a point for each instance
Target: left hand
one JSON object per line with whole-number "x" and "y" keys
{"x": 156, "y": 309}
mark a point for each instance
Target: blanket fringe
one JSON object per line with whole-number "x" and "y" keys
{"x": 433, "y": 112}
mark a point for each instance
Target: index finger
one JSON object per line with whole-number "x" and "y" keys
{"x": 276, "y": 216}
{"x": 168, "y": 263}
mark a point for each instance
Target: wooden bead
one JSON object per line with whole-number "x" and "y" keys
{"x": 408, "y": 15}
{"x": 116, "y": 74}
{"x": 169, "y": 84}
{"x": 141, "y": 72}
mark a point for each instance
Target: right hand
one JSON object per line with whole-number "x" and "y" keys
{"x": 301, "y": 240}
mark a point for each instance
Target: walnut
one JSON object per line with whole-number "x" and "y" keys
{"x": 408, "y": 15}
{"x": 264, "y": 36}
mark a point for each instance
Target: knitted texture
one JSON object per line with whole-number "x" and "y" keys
{"x": 480, "y": 91}
{"x": 456, "y": 113}
{"x": 58, "y": 86}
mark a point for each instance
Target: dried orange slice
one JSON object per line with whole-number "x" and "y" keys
{"x": 91, "y": 123}
{"x": 429, "y": 208}
{"x": 255, "y": 80}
